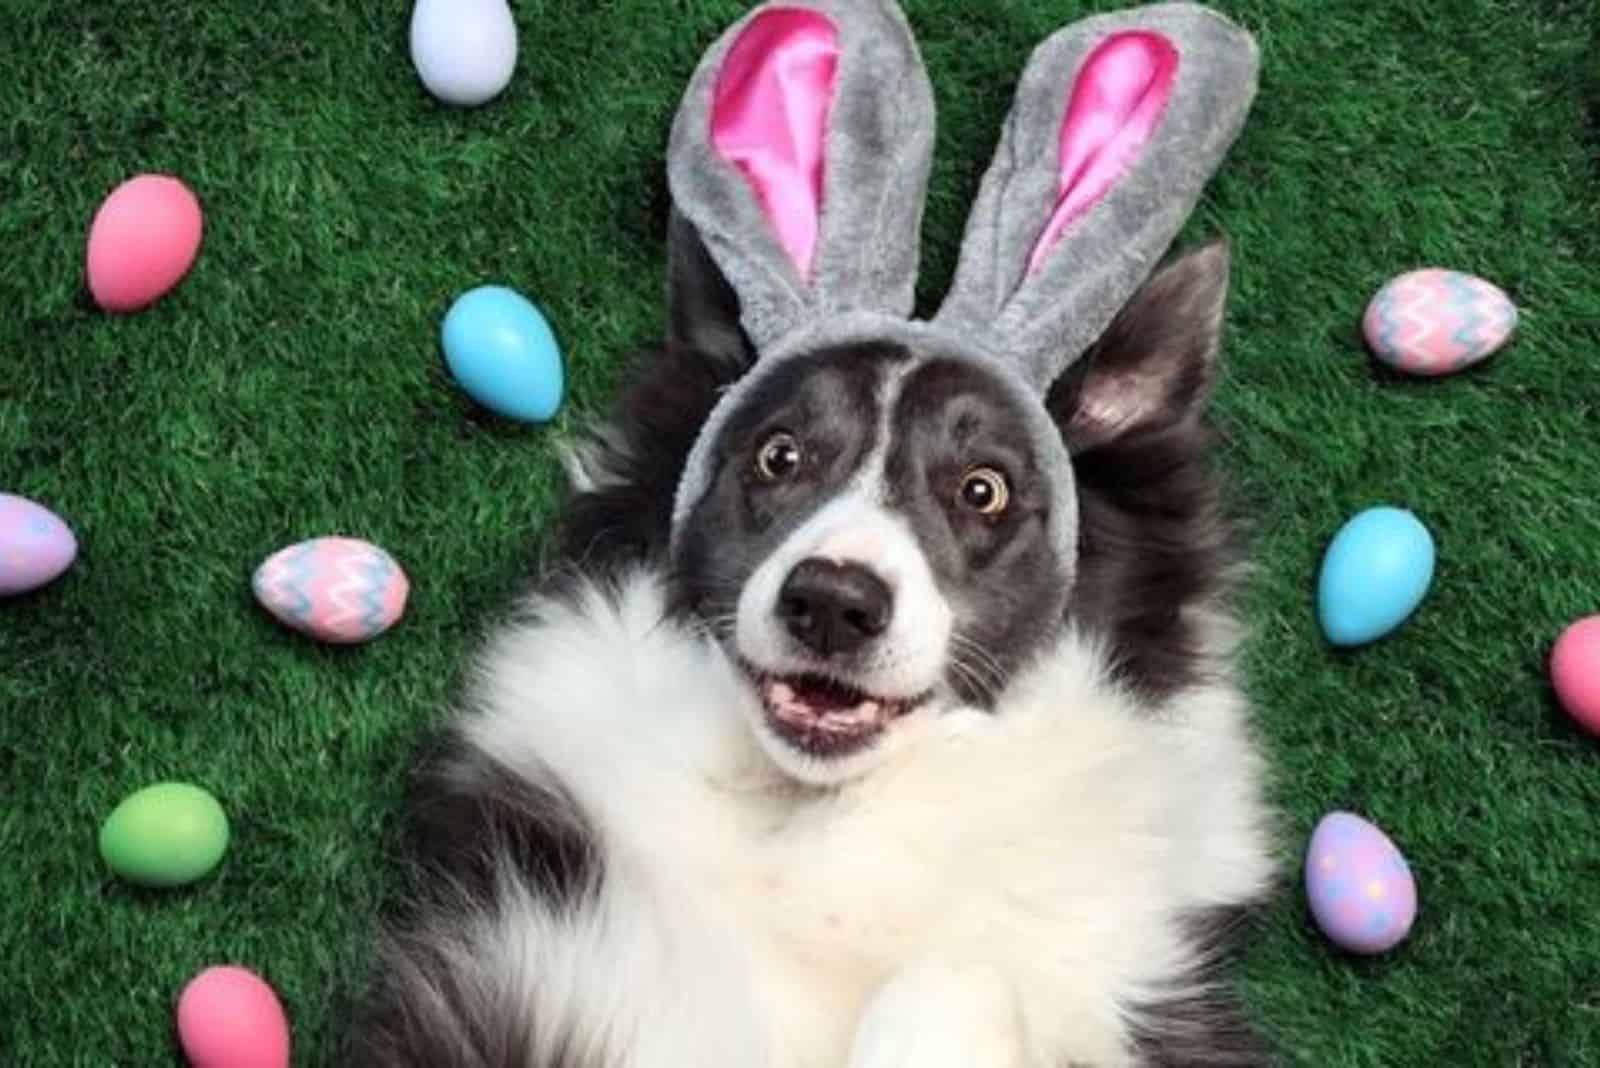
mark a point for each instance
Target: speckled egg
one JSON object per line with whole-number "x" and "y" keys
{"x": 36, "y": 547}
{"x": 164, "y": 835}
{"x": 1361, "y": 890}
{"x": 1375, "y": 572}
{"x": 1575, "y": 672}
{"x": 228, "y": 1017}
{"x": 1436, "y": 322}
{"x": 337, "y": 590}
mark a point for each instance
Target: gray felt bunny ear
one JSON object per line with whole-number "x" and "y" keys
{"x": 1118, "y": 122}
{"x": 800, "y": 156}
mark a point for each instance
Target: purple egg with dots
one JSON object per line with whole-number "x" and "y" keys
{"x": 36, "y": 547}
{"x": 1361, "y": 891}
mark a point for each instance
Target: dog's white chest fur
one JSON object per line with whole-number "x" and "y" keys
{"x": 1006, "y": 885}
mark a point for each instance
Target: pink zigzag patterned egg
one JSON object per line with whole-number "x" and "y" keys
{"x": 339, "y": 590}
{"x": 1436, "y": 322}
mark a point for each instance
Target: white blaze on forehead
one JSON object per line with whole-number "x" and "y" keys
{"x": 854, "y": 528}
{"x": 856, "y": 543}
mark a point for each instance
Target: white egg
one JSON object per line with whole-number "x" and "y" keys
{"x": 464, "y": 50}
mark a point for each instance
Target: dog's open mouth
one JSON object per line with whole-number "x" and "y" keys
{"x": 824, "y": 716}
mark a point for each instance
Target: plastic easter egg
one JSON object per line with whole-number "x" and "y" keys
{"x": 337, "y": 590}
{"x": 502, "y": 352}
{"x": 36, "y": 547}
{"x": 1575, "y": 672}
{"x": 1374, "y": 574}
{"x": 168, "y": 834}
{"x": 228, "y": 1017}
{"x": 464, "y": 50}
{"x": 142, "y": 242}
{"x": 1361, "y": 891}
{"x": 1436, "y": 322}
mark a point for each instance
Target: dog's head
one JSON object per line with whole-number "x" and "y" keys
{"x": 881, "y": 516}
{"x": 874, "y": 541}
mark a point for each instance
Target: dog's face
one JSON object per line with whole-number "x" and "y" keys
{"x": 873, "y": 545}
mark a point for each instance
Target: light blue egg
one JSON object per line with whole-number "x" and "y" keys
{"x": 1376, "y": 571}
{"x": 503, "y": 353}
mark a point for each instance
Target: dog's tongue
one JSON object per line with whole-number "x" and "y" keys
{"x": 819, "y": 703}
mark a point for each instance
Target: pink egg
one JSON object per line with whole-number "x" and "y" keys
{"x": 228, "y": 1017}
{"x": 142, "y": 242}
{"x": 1435, "y": 322}
{"x": 1575, "y": 671}
{"x": 1360, "y": 888}
{"x": 35, "y": 545}
{"x": 340, "y": 590}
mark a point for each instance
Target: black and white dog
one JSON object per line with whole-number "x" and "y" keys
{"x": 838, "y": 784}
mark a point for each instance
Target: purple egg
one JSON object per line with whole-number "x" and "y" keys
{"x": 1361, "y": 891}
{"x": 35, "y": 546}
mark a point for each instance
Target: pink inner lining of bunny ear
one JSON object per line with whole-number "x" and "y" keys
{"x": 769, "y": 116}
{"x": 1117, "y": 101}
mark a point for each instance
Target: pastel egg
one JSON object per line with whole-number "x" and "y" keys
{"x": 1435, "y": 322}
{"x": 338, "y": 590}
{"x": 165, "y": 835}
{"x": 1375, "y": 573}
{"x": 142, "y": 242}
{"x": 1361, "y": 891}
{"x": 464, "y": 50}
{"x": 228, "y": 1017}
{"x": 36, "y": 547}
{"x": 1575, "y": 672}
{"x": 503, "y": 353}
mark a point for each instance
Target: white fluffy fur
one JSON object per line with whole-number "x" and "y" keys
{"x": 995, "y": 892}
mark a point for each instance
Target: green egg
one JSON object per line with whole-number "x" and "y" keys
{"x": 165, "y": 835}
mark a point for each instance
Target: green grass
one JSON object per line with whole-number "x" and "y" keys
{"x": 292, "y": 387}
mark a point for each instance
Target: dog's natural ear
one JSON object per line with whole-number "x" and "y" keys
{"x": 1153, "y": 367}
{"x": 703, "y": 308}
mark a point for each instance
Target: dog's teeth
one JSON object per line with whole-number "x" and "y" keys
{"x": 811, "y": 706}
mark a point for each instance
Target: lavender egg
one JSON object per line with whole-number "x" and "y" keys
{"x": 1361, "y": 891}
{"x": 35, "y": 545}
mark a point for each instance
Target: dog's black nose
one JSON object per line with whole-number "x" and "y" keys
{"x": 834, "y": 608}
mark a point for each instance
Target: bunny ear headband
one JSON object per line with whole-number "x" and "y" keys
{"x": 800, "y": 156}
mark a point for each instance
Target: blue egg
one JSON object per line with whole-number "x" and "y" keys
{"x": 502, "y": 352}
{"x": 1376, "y": 571}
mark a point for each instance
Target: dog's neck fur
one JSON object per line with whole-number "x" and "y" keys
{"x": 1076, "y": 817}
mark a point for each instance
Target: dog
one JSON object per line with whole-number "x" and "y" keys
{"x": 842, "y": 785}
{"x": 911, "y": 733}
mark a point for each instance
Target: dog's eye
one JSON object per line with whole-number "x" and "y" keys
{"x": 778, "y": 457}
{"x": 985, "y": 491}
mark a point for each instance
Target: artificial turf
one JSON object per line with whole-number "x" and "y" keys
{"x": 292, "y": 387}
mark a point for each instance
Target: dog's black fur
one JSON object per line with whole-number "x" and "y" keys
{"x": 1155, "y": 548}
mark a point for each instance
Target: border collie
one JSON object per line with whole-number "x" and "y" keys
{"x": 835, "y": 785}
{"x": 881, "y": 710}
